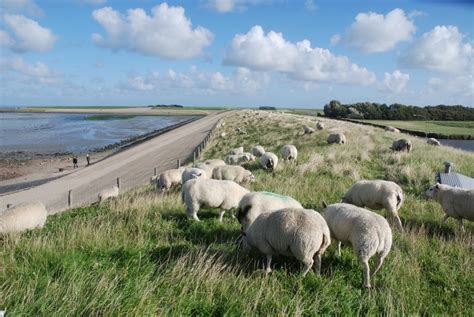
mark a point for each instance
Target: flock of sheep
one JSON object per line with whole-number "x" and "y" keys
{"x": 276, "y": 224}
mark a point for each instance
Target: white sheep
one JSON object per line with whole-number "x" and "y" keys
{"x": 258, "y": 150}
{"x": 239, "y": 159}
{"x": 255, "y": 203}
{"x": 337, "y": 138}
{"x": 237, "y": 151}
{"x": 433, "y": 141}
{"x": 234, "y": 173}
{"x": 367, "y": 232}
{"x": 308, "y": 130}
{"x": 169, "y": 178}
{"x": 23, "y": 217}
{"x": 269, "y": 161}
{"x": 456, "y": 202}
{"x": 401, "y": 145}
{"x": 301, "y": 233}
{"x": 212, "y": 193}
{"x": 209, "y": 165}
{"x": 391, "y": 129}
{"x": 289, "y": 152}
{"x": 377, "y": 194}
{"x": 193, "y": 173}
{"x": 319, "y": 125}
{"x": 107, "y": 193}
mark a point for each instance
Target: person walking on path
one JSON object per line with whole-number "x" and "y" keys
{"x": 74, "y": 162}
{"x": 88, "y": 159}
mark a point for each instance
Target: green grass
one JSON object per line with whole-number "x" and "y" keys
{"x": 442, "y": 127}
{"x": 139, "y": 255}
{"x": 108, "y": 117}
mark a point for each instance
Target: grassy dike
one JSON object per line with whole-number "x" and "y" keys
{"x": 139, "y": 255}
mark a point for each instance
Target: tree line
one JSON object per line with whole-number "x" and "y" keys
{"x": 396, "y": 111}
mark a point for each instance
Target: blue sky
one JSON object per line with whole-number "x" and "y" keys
{"x": 235, "y": 52}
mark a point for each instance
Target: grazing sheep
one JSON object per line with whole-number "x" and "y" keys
{"x": 308, "y": 130}
{"x": 269, "y": 161}
{"x": 319, "y": 125}
{"x": 209, "y": 165}
{"x": 239, "y": 159}
{"x": 107, "y": 193}
{"x": 289, "y": 152}
{"x": 391, "y": 129}
{"x": 237, "y": 151}
{"x": 258, "y": 150}
{"x": 456, "y": 202}
{"x": 23, "y": 217}
{"x": 169, "y": 178}
{"x": 192, "y": 173}
{"x": 255, "y": 203}
{"x": 367, "y": 232}
{"x": 234, "y": 173}
{"x": 301, "y": 233}
{"x": 337, "y": 138}
{"x": 377, "y": 194}
{"x": 213, "y": 193}
{"x": 433, "y": 141}
{"x": 401, "y": 145}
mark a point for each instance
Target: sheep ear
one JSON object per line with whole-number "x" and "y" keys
{"x": 325, "y": 205}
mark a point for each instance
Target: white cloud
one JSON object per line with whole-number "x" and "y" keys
{"x": 167, "y": 32}
{"x": 21, "y": 6}
{"x": 28, "y": 35}
{"x": 373, "y": 33}
{"x": 395, "y": 82}
{"x": 310, "y": 5}
{"x": 442, "y": 49}
{"x": 195, "y": 81}
{"x": 39, "y": 72}
{"x": 271, "y": 52}
{"x": 455, "y": 86}
{"x": 225, "y": 6}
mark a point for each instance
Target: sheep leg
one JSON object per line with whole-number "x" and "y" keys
{"x": 366, "y": 268}
{"x": 444, "y": 219}
{"x": 461, "y": 225}
{"x": 268, "y": 268}
{"x": 192, "y": 213}
{"x": 338, "y": 253}
{"x": 399, "y": 224}
{"x": 221, "y": 215}
{"x": 392, "y": 210}
{"x": 378, "y": 263}
{"x": 308, "y": 264}
{"x": 317, "y": 263}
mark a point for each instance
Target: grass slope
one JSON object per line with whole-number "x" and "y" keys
{"x": 442, "y": 127}
{"x": 139, "y": 255}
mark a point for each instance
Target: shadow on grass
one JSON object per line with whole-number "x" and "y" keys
{"x": 433, "y": 228}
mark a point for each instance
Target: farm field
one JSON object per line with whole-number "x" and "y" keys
{"x": 442, "y": 127}
{"x": 140, "y": 255}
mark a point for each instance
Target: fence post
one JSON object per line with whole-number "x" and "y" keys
{"x": 118, "y": 182}
{"x": 154, "y": 171}
{"x": 8, "y": 206}
{"x": 69, "y": 198}
{"x": 178, "y": 164}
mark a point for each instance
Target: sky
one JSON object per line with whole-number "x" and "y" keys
{"x": 246, "y": 53}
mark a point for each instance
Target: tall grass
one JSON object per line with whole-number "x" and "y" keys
{"x": 139, "y": 255}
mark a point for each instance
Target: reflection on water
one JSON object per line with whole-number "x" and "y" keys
{"x": 58, "y": 132}
{"x": 467, "y": 145}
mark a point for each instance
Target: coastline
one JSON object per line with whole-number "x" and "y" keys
{"x": 22, "y": 169}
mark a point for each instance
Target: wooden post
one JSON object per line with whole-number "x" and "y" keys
{"x": 69, "y": 198}
{"x": 8, "y": 206}
{"x": 178, "y": 164}
{"x": 154, "y": 171}
{"x": 118, "y": 182}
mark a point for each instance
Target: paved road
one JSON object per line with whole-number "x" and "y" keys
{"x": 133, "y": 166}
